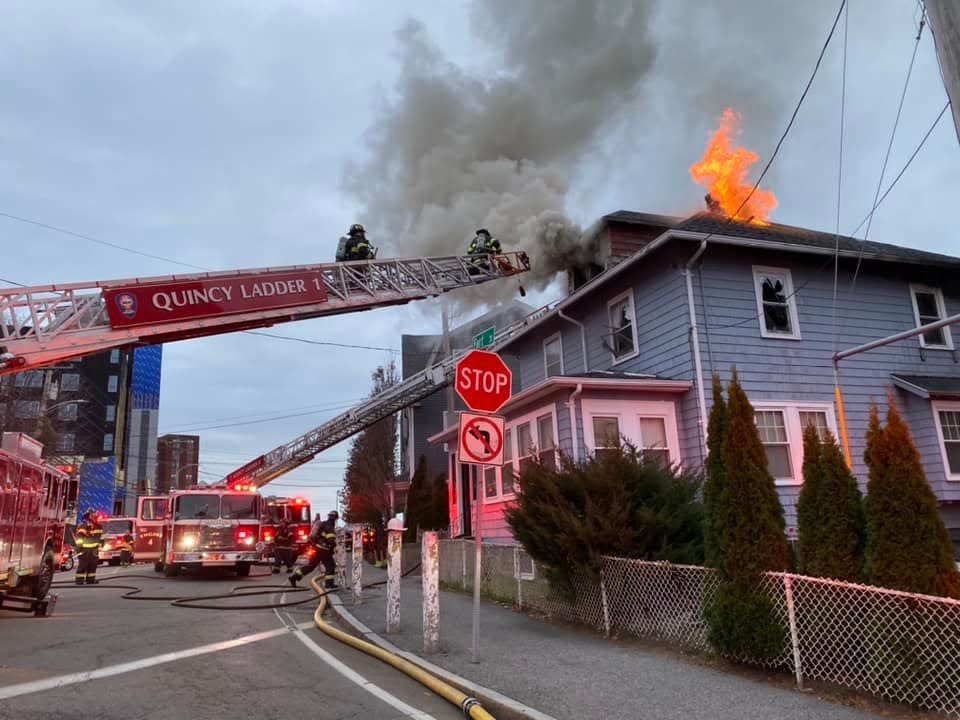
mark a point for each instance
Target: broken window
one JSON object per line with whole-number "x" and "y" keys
{"x": 776, "y": 303}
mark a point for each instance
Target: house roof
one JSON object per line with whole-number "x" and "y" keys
{"x": 717, "y": 230}
{"x": 622, "y": 382}
{"x": 929, "y": 386}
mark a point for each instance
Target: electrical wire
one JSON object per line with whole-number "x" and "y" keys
{"x": 886, "y": 156}
{"x": 843, "y": 105}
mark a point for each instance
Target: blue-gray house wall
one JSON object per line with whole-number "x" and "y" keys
{"x": 729, "y": 334}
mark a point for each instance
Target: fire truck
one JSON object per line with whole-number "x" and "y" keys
{"x": 32, "y": 518}
{"x": 212, "y": 526}
{"x": 114, "y": 528}
{"x": 152, "y": 514}
{"x": 295, "y": 511}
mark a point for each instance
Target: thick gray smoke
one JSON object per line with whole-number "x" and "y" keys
{"x": 452, "y": 153}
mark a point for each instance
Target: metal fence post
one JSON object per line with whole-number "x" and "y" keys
{"x": 794, "y": 638}
{"x": 516, "y": 574}
{"x": 603, "y": 603}
{"x": 394, "y": 542}
{"x": 357, "y": 565}
{"x": 430, "y": 571}
{"x": 463, "y": 559}
{"x": 340, "y": 558}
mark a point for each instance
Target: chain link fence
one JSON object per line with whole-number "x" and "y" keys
{"x": 902, "y": 647}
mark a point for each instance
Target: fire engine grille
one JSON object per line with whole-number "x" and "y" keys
{"x": 212, "y": 538}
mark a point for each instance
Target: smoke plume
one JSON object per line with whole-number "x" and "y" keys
{"x": 451, "y": 152}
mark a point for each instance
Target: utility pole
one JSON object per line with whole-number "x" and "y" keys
{"x": 944, "y": 16}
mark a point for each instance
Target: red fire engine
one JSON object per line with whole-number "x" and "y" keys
{"x": 295, "y": 511}
{"x": 32, "y": 516}
{"x": 212, "y": 525}
{"x": 152, "y": 514}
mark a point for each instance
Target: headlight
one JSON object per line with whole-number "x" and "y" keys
{"x": 248, "y": 541}
{"x": 189, "y": 541}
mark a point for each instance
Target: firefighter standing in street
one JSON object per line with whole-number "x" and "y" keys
{"x": 323, "y": 540}
{"x": 283, "y": 547}
{"x": 88, "y": 537}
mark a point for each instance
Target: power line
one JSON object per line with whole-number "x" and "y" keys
{"x": 262, "y": 420}
{"x": 317, "y": 408}
{"x": 904, "y": 168}
{"x": 92, "y": 239}
{"x": 886, "y": 157}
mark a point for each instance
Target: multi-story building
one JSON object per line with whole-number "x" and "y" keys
{"x": 631, "y": 351}
{"x": 101, "y": 409}
{"x": 178, "y": 458}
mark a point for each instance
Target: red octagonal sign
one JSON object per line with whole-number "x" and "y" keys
{"x": 483, "y": 381}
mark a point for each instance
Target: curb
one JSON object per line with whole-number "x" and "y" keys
{"x": 504, "y": 707}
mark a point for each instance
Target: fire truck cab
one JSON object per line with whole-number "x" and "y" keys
{"x": 32, "y": 518}
{"x": 210, "y": 526}
{"x": 114, "y": 528}
{"x": 296, "y": 511}
{"x": 152, "y": 514}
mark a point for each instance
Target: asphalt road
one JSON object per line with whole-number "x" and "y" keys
{"x": 154, "y": 661}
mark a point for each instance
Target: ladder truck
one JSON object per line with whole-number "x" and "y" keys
{"x": 52, "y": 323}
{"x": 301, "y": 450}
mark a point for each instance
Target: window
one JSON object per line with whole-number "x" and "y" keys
{"x": 653, "y": 439}
{"x": 623, "y": 329}
{"x": 27, "y": 408}
{"x": 490, "y": 489}
{"x": 606, "y": 435}
{"x": 65, "y": 442}
{"x": 553, "y": 356}
{"x": 546, "y": 445}
{"x": 506, "y": 472}
{"x": 948, "y": 425}
{"x": 776, "y": 303}
{"x": 194, "y": 507}
{"x": 114, "y": 356}
{"x": 67, "y": 412}
{"x": 773, "y": 435}
{"x": 928, "y": 307}
{"x": 108, "y": 442}
{"x": 524, "y": 446}
{"x": 153, "y": 509}
{"x": 111, "y": 413}
{"x": 648, "y": 425}
{"x": 112, "y": 384}
{"x": 70, "y": 381}
{"x": 31, "y": 378}
{"x": 781, "y": 428}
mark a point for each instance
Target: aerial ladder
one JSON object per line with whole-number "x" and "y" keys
{"x": 53, "y": 323}
{"x": 303, "y": 449}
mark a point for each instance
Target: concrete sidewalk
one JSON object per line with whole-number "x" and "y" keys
{"x": 569, "y": 673}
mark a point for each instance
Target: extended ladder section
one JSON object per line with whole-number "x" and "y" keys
{"x": 303, "y": 449}
{"x": 52, "y": 323}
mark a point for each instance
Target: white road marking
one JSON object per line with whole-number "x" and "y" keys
{"x": 355, "y": 677}
{"x": 59, "y": 681}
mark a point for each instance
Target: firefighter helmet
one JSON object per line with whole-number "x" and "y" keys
{"x": 356, "y": 229}
{"x": 333, "y": 515}
{"x": 483, "y": 231}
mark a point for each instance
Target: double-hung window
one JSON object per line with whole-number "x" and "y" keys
{"x": 553, "y": 356}
{"x": 623, "y": 327}
{"x": 781, "y": 427}
{"x": 928, "y": 307}
{"x": 525, "y": 440}
{"x": 649, "y": 426}
{"x": 776, "y": 303}
{"x": 947, "y": 415}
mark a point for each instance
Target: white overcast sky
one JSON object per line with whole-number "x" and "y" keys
{"x": 218, "y": 133}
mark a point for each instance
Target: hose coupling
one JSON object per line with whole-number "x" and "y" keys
{"x": 468, "y": 704}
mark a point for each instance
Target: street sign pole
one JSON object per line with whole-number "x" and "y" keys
{"x": 478, "y": 560}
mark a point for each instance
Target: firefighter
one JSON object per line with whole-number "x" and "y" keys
{"x": 126, "y": 549}
{"x": 88, "y": 537}
{"x": 283, "y": 548}
{"x": 357, "y": 246}
{"x": 483, "y": 247}
{"x": 323, "y": 540}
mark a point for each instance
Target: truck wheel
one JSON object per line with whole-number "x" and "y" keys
{"x": 171, "y": 570}
{"x": 44, "y": 578}
{"x": 243, "y": 569}
{"x": 158, "y": 566}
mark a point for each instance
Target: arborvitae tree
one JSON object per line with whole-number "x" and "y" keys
{"x": 440, "y": 504}
{"x": 618, "y": 504}
{"x": 908, "y": 547}
{"x": 829, "y": 512}
{"x": 418, "y": 501}
{"x": 748, "y": 524}
{"x": 715, "y": 484}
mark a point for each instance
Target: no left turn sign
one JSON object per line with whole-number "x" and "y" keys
{"x": 481, "y": 439}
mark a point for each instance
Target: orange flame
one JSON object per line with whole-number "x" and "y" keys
{"x": 723, "y": 171}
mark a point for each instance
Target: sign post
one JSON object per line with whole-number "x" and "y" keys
{"x": 484, "y": 340}
{"x": 485, "y": 383}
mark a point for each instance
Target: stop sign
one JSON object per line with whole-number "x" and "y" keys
{"x": 483, "y": 381}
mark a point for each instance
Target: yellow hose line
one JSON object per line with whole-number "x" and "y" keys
{"x": 441, "y": 688}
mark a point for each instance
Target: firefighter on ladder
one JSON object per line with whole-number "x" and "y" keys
{"x": 88, "y": 537}
{"x": 323, "y": 540}
{"x": 482, "y": 249}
